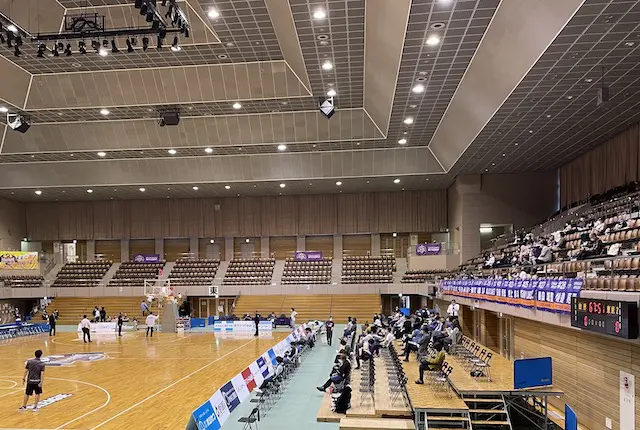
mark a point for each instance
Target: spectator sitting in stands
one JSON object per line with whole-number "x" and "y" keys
{"x": 591, "y": 248}
{"x": 490, "y": 261}
{"x": 546, "y": 255}
{"x": 417, "y": 343}
{"x": 599, "y": 226}
{"x": 525, "y": 250}
{"x": 560, "y": 242}
{"x": 432, "y": 364}
{"x": 342, "y": 368}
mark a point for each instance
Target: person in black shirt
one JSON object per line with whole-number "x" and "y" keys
{"x": 120, "y": 322}
{"x": 103, "y": 315}
{"x": 52, "y": 324}
{"x": 329, "y": 326}
{"x": 33, "y": 378}
{"x": 256, "y": 320}
{"x": 342, "y": 368}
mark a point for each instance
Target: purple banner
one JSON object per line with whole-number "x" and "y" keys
{"x": 307, "y": 255}
{"x": 146, "y": 258}
{"x": 428, "y": 249}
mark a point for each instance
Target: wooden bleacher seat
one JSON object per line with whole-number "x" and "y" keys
{"x": 376, "y": 423}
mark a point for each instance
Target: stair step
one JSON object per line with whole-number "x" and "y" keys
{"x": 488, "y": 411}
{"x": 436, "y": 418}
{"x": 490, "y": 423}
{"x": 483, "y": 400}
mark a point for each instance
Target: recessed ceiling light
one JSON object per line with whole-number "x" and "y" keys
{"x": 3, "y": 109}
{"x": 486, "y": 170}
{"x": 319, "y": 14}
{"x": 227, "y": 187}
{"x": 104, "y": 111}
{"x": 172, "y": 151}
{"x": 433, "y": 40}
{"x": 588, "y": 80}
{"x": 236, "y": 106}
{"x": 195, "y": 188}
{"x": 569, "y": 97}
{"x": 408, "y": 120}
{"x": 102, "y": 154}
{"x": 396, "y": 181}
{"x": 516, "y": 144}
{"x": 338, "y": 183}
{"x": 208, "y": 150}
{"x": 530, "y": 131}
{"x": 89, "y": 190}
{"x": 213, "y": 13}
{"x": 402, "y": 141}
{"x": 493, "y": 164}
{"x": 413, "y": 106}
{"x": 283, "y": 185}
{"x": 282, "y": 147}
{"x": 504, "y": 155}
{"x": 548, "y": 116}
{"x": 629, "y": 43}
{"x": 418, "y": 89}
{"x": 142, "y": 190}
{"x": 327, "y": 65}
{"x": 331, "y": 93}
{"x": 103, "y": 52}
{"x": 38, "y": 192}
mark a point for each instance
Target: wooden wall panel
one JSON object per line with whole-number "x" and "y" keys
{"x": 175, "y": 249}
{"x": 320, "y": 243}
{"x": 466, "y": 321}
{"x": 109, "y": 249}
{"x": 356, "y": 244}
{"x": 141, "y": 246}
{"x": 492, "y": 336}
{"x": 317, "y": 215}
{"x": 283, "y": 246}
{"x": 204, "y": 243}
{"x": 585, "y": 366}
{"x": 240, "y": 242}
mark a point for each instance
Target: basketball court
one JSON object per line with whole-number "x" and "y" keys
{"x": 122, "y": 383}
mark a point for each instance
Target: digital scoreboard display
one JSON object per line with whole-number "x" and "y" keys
{"x": 612, "y": 317}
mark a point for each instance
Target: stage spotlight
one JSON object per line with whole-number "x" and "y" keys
{"x": 41, "y": 50}
{"x": 175, "y": 46}
{"x": 114, "y": 48}
{"x": 150, "y": 16}
{"x": 82, "y": 47}
{"x": 129, "y": 46}
{"x": 60, "y": 46}
{"x": 159, "y": 47}
{"x": 55, "y": 51}
{"x": 137, "y": 4}
{"x": 67, "y": 51}
{"x": 105, "y": 43}
{"x": 95, "y": 45}
{"x": 17, "y": 51}
{"x": 144, "y": 8}
{"x": 145, "y": 43}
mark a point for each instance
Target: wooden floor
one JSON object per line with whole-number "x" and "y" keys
{"x": 142, "y": 384}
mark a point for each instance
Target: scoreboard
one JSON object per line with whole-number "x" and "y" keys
{"x": 612, "y": 317}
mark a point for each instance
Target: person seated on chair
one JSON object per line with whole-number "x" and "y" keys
{"x": 276, "y": 373}
{"x": 433, "y": 363}
{"x": 419, "y": 345}
{"x": 342, "y": 368}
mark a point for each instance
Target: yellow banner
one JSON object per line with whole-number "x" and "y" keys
{"x": 18, "y": 260}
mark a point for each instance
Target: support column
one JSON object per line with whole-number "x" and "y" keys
{"x": 264, "y": 247}
{"x": 375, "y": 244}
{"x": 194, "y": 245}
{"x": 337, "y": 246}
{"x": 160, "y": 247}
{"x": 91, "y": 250}
{"x": 228, "y": 248}
{"x": 301, "y": 243}
{"x": 124, "y": 249}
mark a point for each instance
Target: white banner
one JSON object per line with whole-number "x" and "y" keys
{"x": 106, "y": 327}
{"x": 627, "y": 401}
{"x": 242, "y": 326}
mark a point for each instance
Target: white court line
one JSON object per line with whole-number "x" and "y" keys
{"x": 15, "y": 384}
{"x": 10, "y": 393}
{"x": 170, "y": 386}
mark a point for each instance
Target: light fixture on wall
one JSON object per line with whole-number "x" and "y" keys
{"x": 486, "y": 230}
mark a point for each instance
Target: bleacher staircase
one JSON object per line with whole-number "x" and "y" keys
{"x": 487, "y": 412}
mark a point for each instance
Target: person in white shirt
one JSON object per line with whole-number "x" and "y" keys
{"x": 453, "y": 309}
{"x": 546, "y": 255}
{"x": 85, "y": 325}
{"x": 150, "y": 322}
{"x": 292, "y": 318}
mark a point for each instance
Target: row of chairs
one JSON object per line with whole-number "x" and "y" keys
{"x": 395, "y": 374}
{"x": 474, "y": 358}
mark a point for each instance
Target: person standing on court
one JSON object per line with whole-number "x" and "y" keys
{"x": 85, "y": 324}
{"x": 52, "y": 324}
{"x": 292, "y": 318}
{"x": 33, "y": 378}
{"x": 150, "y": 322}
{"x": 103, "y": 315}
{"x": 256, "y": 320}
{"x": 120, "y": 322}
{"x": 329, "y": 326}
{"x": 144, "y": 308}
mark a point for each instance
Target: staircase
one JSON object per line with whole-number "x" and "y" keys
{"x": 488, "y": 412}
{"x": 166, "y": 272}
{"x": 52, "y": 274}
{"x": 448, "y": 420}
{"x": 278, "y": 270}
{"x": 109, "y": 275}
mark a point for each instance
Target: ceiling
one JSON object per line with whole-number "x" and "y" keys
{"x": 506, "y": 87}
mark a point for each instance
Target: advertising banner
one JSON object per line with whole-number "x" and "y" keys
{"x": 205, "y": 418}
{"x": 257, "y": 374}
{"x": 307, "y": 255}
{"x": 18, "y": 260}
{"x": 240, "y": 386}
{"x": 428, "y": 249}
{"x": 230, "y": 396}
{"x": 220, "y": 407}
{"x": 249, "y": 380}
{"x": 106, "y": 327}
{"x": 223, "y": 325}
{"x": 146, "y": 258}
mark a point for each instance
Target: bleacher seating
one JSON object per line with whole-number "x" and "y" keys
{"x": 249, "y": 271}
{"x": 368, "y": 269}
{"x": 420, "y": 276}
{"x": 307, "y": 272}
{"x": 133, "y": 274}
{"x": 82, "y": 274}
{"x": 22, "y": 281}
{"x": 190, "y": 271}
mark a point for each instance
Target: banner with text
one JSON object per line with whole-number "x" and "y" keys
{"x": 146, "y": 258}
{"x": 18, "y": 260}
{"x": 551, "y": 295}
{"x": 428, "y": 249}
{"x": 307, "y": 255}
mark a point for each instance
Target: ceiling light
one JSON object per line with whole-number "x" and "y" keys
{"x": 504, "y": 155}
{"x": 282, "y": 147}
{"x": 396, "y": 181}
{"x": 331, "y": 93}
{"x": 530, "y": 131}
{"x": 629, "y": 43}
{"x": 395, "y": 235}
{"x": 142, "y": 190}
{"x": 104, "y": 112}
{"x": 208, "y": 150}
{"x": 283, "y": 185}
{"x": 227, "y": 187}
{"x": 402, "y": 141}
{"x": 102, "y": 154}
{"x": 548, "y": 116}
{"x": 175, "y": 46}
{"x": 338, "y": 183}
{"x": 408, "y": 120}
{"x": 213, "y": 13}
{"x": 236, "y": 106}
{"x": 569, "y": 97}
{"x": 3, "y": 109}
{"x": 327, "y": 65}
{"x": 433, "y": 40}
{"x": 418, "y": 89}
{"x": 38, "y": 192}
{"x": 319, "y": 14}
{"x": 89, "y": 190}
{"x": 103, "y": 52}
{"x": 195, "y": 188}
{"x": 588, "y": 80}
{"x": 212, "y": 241}
{"x": 172, "y": 151}
{"x": 246, "y": 240}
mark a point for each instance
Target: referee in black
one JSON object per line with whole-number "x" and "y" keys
{"x": 52, "y": 324}
{"x": 256, "y": 320}
{"x": 120, "y": 322}
{"x": 329, "y": 327}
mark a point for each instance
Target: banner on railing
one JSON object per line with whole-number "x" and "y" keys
{"x": 307, "y": 255}
{"x": 19, "y": 260}
{"x": 428, "y": 249}
{"x": 551, "y": 295}
{"x": 146, "y": 258}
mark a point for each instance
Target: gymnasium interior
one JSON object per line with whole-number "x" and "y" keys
{"x": 433, "y": 205}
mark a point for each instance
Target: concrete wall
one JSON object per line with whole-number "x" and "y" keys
{"x": 13, "y": 226}
{"x": 520, "y": 200}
